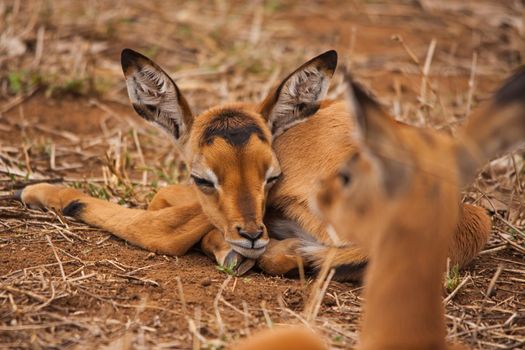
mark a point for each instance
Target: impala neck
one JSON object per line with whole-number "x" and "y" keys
{"x": 403, "y": 293}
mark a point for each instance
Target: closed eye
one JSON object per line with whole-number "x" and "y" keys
{"x": 271, "y": 180}
{"x": 199, "y": 181}
{"x": 345, "y": 178}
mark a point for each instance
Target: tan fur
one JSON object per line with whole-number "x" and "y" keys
{"x": 292, "y": 338}
{"x": 305, "y": 149}
{"x": 398, "y": 197}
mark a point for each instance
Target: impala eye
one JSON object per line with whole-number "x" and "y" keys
{"x": 271, "y": 180}
{"x": 199, "y": 181}
{"x": 345, "y": 178}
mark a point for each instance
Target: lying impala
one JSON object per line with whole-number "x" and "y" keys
{"x": 410, "y": 178}
{"x": 253, "y": 167}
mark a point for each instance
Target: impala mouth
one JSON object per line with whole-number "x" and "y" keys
{"x": 248, "y": 249}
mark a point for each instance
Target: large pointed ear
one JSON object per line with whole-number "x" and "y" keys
{"x": 497, "y": 127}
{"x": 375, "y": 132}
{"x": 155, "y": 96}
{"x": 300, "y": 94}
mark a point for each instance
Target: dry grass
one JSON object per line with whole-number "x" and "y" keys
{"x": 64, "y": 116}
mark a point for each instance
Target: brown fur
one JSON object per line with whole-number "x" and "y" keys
{"x": 292, "y": 131}
{"x": 409, "y": 181}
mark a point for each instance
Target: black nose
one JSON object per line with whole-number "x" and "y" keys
{"x": 250, "y": 235}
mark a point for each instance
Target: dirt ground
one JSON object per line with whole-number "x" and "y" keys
{"x": 65, "y": 117}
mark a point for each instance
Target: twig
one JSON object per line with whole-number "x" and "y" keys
{"x": 181, "y": 295}
{"x": 57, "y": 258}
{"x": 220, "y": 324}
{"x": 493, "y": 281}
{"x": 471, "y": 82}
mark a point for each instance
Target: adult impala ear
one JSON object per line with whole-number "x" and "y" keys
{"x": 300, "y": 94}
{"x": 375, "y": 131}
{"x": 155, "y": 96}
{"x": 495, "y": 128}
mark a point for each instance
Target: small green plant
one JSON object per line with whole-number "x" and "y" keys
{"x": 22, "y": 81}
{"x": 97, "y": 191}
{"x": 228, "y": 269}
{"x": 453, "y": 278}
{"x": 337, "y": 339}
{"x": 14, "y": 80}
{"x": 513, "y": 234}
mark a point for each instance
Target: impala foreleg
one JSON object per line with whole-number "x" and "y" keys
{"x": 173, "y": 230}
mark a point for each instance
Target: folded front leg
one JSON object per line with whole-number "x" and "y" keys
{"x": 173, "y": 230}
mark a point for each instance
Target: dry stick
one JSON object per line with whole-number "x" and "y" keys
{"x": 513, "y": 244}
{"x": 502, "y": 219}
{"x": 236, "y": 309}
{"x": 65, "y": 134}
{"x": 17, "y": 100}
{"x": 220, "y": 324}
{"x": 57, "y": 258}
{"x": 12, "y": 302}
{"x": 509, "y": 224}
{"x": 28, "y": 293}
{"x": 194, "y": 329}
{"x": 247, "y": 317}
{"x": 27, "y": 159}
{"x": 316, "y": 287}
{"x": 518, "y": 180}
{"x": 181, "y": 295}
{"x": 447, "y": 273}
{"x": 426, "y": 71}
{"x": 411, "y": 54}
{"x": 266, "y": 314}
{"x": 302, "y": 277}
{"x": 471, "y": 82}
{"x": 48, "y": 301}
{"x": 255, "y": 30}
{"x": 493, "y": 281}
{"x": 495, "y": 249}
{"x": 143, "y": 280}
{"x": 322, "y": 293}
{"x": 25, "y": 270}
{"x": 141, "y": 157}
{"x": 52, "y": 157}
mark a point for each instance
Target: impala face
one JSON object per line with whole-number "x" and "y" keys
{"x": 413, "y": 176}
{"x": 229, "y": 148}
{"x": 397, "y": 172}
{"x": 233, "y": 167}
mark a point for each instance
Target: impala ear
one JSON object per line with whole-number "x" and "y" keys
{"x": 375, "y": 131}
{"x": 155, "y": 96}
{"x": 494, "y": 129}
{"x": 300, "y": 94}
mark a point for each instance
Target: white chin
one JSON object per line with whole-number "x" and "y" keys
{"x": 249, "y": 253}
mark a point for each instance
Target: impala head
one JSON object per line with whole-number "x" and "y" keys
{"x": 228, "y": 148}
{"x": 409, "y": 177}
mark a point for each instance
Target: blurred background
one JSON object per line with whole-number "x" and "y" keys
{"x": 65, "y": 117}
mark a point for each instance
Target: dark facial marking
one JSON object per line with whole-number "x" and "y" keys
{"x": 234, "y": 126}
{"x": 245, "y": 203}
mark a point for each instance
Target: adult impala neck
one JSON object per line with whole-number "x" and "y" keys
{"x": 403, "y": 307}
